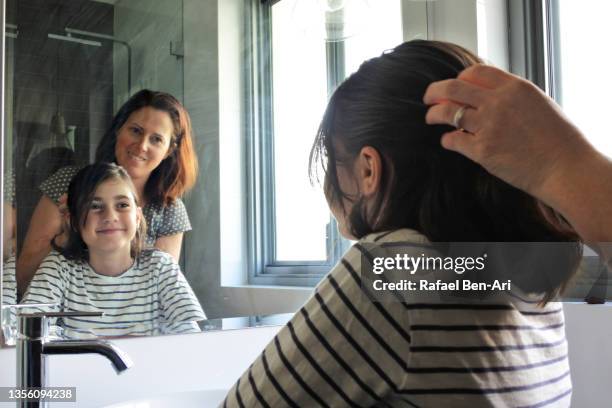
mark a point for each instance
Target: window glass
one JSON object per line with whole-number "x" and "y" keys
{"x": 584, "y": 32}
{"x": 299, "y": 95}
{"x": 300, "y": 77}
{"x": 374, "y": 39}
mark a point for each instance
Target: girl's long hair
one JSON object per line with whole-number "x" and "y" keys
{"x": 423, "y": 186}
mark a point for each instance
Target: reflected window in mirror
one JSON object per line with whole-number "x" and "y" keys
{"x": 304, "y": 50}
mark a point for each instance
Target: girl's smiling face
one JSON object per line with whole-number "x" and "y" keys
{"x": 112, "y": 218}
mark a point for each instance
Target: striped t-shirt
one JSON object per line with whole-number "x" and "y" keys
{"x": 152, "y": 297}
{"x": 9, "y": 282}
{"x": 342, "y": 349}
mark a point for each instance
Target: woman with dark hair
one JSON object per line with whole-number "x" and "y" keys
{"x": 151, "y": 137}
{"x": 390, "y": 184}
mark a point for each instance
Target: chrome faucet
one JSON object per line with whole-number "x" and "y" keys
{"x": 33, "y": 346}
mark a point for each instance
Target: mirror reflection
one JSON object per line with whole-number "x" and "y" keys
{"x": 154, "y": 160}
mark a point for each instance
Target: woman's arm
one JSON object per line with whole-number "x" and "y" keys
{"x": 46, "y": 223}
{"x": 171, "y": 244}
{"x": 179, "y": 304}
{"x": 8, "y": 231}
{"x": 174, "y": 223}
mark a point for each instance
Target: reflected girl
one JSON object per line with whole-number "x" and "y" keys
{"x": 103, "y": 267}
{"x": 151, "y": 137}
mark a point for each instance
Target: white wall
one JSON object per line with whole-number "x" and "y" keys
{"x": 589, "y": 334}
{"x": 232, "y": 141}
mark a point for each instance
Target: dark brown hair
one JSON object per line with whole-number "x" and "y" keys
{"x": 81, "y": 192}
{"x": 423, "y": 186}
{"x": 177, "y": 173}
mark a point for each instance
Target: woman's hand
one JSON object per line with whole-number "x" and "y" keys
{"x": 8, "y": 231}
{"x": 62, "y": 205}
{"x": 521, "y": 135}
{"x": 511, "y": 127}
{"x": 62, "y": 238}
{"x": 171, "y": 244}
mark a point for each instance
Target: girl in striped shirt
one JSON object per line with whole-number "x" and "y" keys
{"x": 389, "y": 181}
{"x": 103, "y": 267}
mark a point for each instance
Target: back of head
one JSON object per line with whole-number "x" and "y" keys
{"x": 425, "y": 187}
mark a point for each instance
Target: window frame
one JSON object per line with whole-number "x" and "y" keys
{"x": 554, "y": 50}
{"x": 263, "y": 268}
{"x": 534, "y": 52}
{"x": 536, "y": 55}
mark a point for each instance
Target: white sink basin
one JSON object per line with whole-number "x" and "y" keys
{"x": 191, "y": 399}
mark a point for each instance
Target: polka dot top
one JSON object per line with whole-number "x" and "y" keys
{"x": 161, "y": 221}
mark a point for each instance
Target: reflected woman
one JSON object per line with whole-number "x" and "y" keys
{"x": 151, "y": 138}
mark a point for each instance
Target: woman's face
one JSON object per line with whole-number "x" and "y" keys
{"x": 144, "y": 141}
{"x": 112, "y": 218}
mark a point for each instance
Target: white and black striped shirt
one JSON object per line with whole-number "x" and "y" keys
{"x": 9, "y": 282}
{"x": 152, "y": 297}
{"x": 343, "y": 350}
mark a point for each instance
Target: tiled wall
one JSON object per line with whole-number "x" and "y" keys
{"x": 83, "y": 82}
{"x": 45, "y": 69}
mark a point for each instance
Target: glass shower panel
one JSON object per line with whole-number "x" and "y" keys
{"x": 70, "y": 64}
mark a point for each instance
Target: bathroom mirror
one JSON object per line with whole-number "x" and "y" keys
{"x": 254, "y": 76}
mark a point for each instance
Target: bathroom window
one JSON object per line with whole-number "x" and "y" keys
{"x": 294, "y": 240}
{"x": 576, "y": 70}
{"x": 580, "y": 64}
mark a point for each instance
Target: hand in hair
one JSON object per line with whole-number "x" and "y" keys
{"x": 62, "y": 204}
{"x": 61, "y": 238}
{"x": 521, "y": 136}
